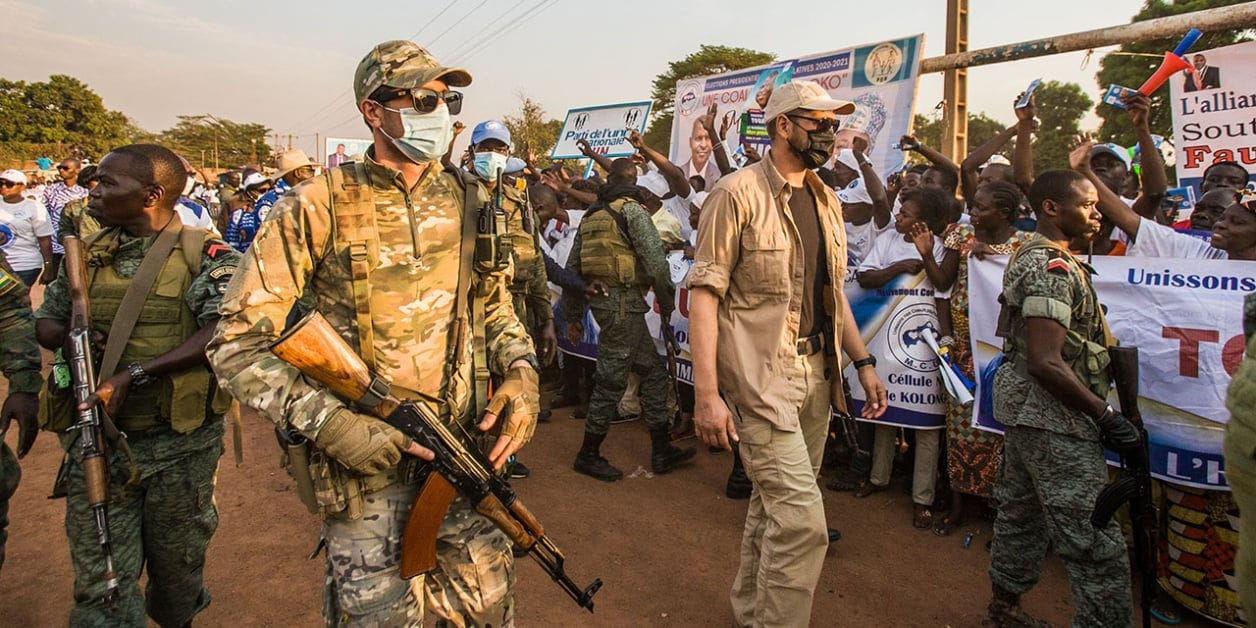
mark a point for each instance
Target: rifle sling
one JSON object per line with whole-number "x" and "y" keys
{"x": 466, "y": 264}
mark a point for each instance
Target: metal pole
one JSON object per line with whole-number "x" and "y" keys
{"x": 318, "y": 149}
{"x": 1221, "y": 18}
{"x": 955, "y": 84}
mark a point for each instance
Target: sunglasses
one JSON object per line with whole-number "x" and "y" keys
{"x": 424, "y": 100}
{"x": 9, "y": 184}
{"x": 63, "y": 167}
{"x": 820, "y": 125}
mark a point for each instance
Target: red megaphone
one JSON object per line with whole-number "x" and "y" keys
{"x": 1171, "y": 65}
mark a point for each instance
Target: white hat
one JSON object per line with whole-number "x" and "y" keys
{"x": 14, "y": 176}
{"x": 654, "y": 182}
{"x": 254, "y": 180}
{"x": 856, "y": 192}
{"x": 846, "y": 157}
{"x": 803, "y": 95}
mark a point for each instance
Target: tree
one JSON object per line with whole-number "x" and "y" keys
{"x": 981, "y": 128}
{"x": 1134, "y": 62}
{"x": 61, "y": 111}
{"x": 707, "y": 60}
{"x": 1060, "y": 109}
{"x": 217, "y": 141}
{"x": 530, "y": 128}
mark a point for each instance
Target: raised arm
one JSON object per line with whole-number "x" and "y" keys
{"x": 601, "y": 160}
{"x": 1110, "y": 205}
{"x": 881, "y": 203}
{"x": 939, "y": 161}
{"x": 718, "y": 148}
{"x": 677, "y": 182}
{"x": 1155, "y": 183}
{"x": 1023, "y": 156}
{"x": 980, "y": 155}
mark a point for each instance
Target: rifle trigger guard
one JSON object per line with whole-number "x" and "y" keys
{"x": 375, "y": 393}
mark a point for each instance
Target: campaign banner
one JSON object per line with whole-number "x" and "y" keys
{"x": 340, "y": 150}
{"x": 1185, "y": 318}
{"x": 879, "y": 78}
{"x": 605, "y": 128}
{"x": 1213, "y": 106}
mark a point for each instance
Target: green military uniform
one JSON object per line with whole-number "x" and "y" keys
{"x": 19, "y": 361}
{"x": 530, "y": 288}
{"x": 1240, "y": 459}
{"x": 163, "y": 520}
{"x": 628, "y": 266}
{"x": 75, "y": 221}
{"x": 1053, "y": 465}
{"x": 383, "y": 267}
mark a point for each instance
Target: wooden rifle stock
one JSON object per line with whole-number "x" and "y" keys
{"x": 76, "y": 277}
{"x": 315, "y": 349}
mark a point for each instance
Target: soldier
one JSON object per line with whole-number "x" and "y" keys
{"x": 1057, "y": 416}
{"x": 618, "y": 246}
{"x": 1240, "y": 457}
{"x": 380, "y": 243}
{"x": 145, "y": 268}
{"x": 74, "y": 218}
{"x": 19, "y": 361}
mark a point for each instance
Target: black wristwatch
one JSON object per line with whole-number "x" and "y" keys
{"x": 871, "y": 360}
{"x": 139, "y": 377}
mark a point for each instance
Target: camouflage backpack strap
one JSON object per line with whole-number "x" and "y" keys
{"x": 466, "y": 264}
{"x": 353, "y": 213}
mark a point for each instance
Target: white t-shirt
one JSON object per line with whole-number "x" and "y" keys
{"x": 565, "y": 236}
{"x": 679, "y": 208}
{"x": 1156, "y": 240}
{"x": 24, "y": 223}
{"x": 859, "y": 239}
{"x": 890, "y": 248}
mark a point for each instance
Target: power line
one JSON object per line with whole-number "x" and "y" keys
{"x": 507, "y": 28}
{"x": 433, "y": 20}
{"x": 472, "y": 41}
{"x": 456, "y": 23}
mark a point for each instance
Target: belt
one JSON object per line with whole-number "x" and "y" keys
{"x": 810, "y": 344}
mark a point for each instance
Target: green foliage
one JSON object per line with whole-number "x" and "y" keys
{"x": 1060, "y": 109}
{"x": 1134, "y": 62}
{"x": 707, "y": 60}
{"x": 61, "y": 112}
{"x": 235, "y": 143}
{"x": 532, "y": 129}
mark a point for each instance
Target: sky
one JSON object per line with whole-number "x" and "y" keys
{"x": 289, "y": 65}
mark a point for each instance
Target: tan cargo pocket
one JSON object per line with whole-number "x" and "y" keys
{"x": 765, "y": 264}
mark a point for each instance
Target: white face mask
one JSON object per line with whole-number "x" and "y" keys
{"x": 488, "y": 164}
{"x": 425, "y": 136}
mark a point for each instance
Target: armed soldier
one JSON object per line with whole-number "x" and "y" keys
{"x": 19, "y": 361}
{"x": 618, "y": 247}
{"x": 393, "y": 252}
{"x": 1240, "y": 456}
{"x": 154, "y": 287}
{"x": 1051, "y": 392}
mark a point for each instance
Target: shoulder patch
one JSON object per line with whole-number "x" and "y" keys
{"x": 1057, "y": 264}
{"x": 215, "y": 249}
{"x": 219, "y": 272}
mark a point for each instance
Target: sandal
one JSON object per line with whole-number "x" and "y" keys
{"x": 867, "y": 488}
{"x": 845, "y": 482}
{"x": 945, "y": 525}
{"x": 923, "y": 517}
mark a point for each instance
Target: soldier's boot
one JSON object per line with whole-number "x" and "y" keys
{"x": 1005, "y": 612}
{"x": 665, "y": 456}
{"x": 591, "y": 463}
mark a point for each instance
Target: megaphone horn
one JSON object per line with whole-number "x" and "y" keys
{"x": 1171, "y": 65}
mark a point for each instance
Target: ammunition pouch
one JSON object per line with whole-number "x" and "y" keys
{"x": 56, "y": 399}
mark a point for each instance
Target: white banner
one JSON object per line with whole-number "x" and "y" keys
{"x": 880, "y": 78}
{"x": 1213, "y": 108}
{"x": 1185, "y": 318}
{"x": 605, "y": 128}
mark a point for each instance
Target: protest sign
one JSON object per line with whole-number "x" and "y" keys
{"x": 1185, "y": 318}
{"x": 339, "y": 150}
{"x": 605, "y": 128}
{"x": 879, "y": 78}
{"x": 1213, "y": 105}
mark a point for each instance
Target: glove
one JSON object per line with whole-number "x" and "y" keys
{"x": 1118, "y": 434}
{"x": 362, "y": 443}
{"x": 519, "y": 391}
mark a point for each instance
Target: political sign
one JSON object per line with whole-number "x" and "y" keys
{"x": 605, "y": 128}
{"x": 1213, "y": 102}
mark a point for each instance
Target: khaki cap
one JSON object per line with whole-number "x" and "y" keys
{"x": 404, "y": 65}
{"x": 290, "y": 160}
{"x": 804, "y": 95}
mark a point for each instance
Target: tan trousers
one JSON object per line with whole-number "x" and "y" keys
{"x": 782, "y": 548}
{"x": 925, "y": 474}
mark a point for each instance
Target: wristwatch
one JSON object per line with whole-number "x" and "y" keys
{"x": 871, "y": 360}
{"x": 139, "y": 377}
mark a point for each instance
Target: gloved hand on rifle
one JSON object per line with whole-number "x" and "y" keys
{"x": 365, "y": 444}
{"x": 519, "y": 395}
{"x": 1119, "y": 434}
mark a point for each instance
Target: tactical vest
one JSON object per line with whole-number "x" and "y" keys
{"x": 523, "y": 244}
{"x": 605, "y": 252}
{"x": 165, "y": 322}
{"x": 1087, "y": 339}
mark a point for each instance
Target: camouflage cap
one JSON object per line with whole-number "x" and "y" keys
{"x": 402, "y": 64}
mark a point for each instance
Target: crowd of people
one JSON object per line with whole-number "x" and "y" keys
{"x": 452, "y": 276}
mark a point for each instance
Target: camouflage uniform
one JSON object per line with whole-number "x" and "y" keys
{"x": 164, "y": 520}
{"x": 1053, "y": 465}
{"x": 412, "y": 296}
{"x": 20, "y": 363}
{"x": 1240, "y": 459}
{"x": 75, "y": 221}
{"x": 624, "y": 341}
{"x": 530, "y": 288}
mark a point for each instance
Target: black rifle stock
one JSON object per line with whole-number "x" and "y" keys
{"x": 1133, "y": 485}
{"x": 314, "y": 348}
{"x": 90, "y": 423}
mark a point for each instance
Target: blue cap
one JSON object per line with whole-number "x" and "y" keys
{"x": 490, "y": 130}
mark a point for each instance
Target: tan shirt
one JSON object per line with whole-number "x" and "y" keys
{"x": 750, "y": 254}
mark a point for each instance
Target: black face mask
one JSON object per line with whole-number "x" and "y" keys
{"x": 819, "y": 149}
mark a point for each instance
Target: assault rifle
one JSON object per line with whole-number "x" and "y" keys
{"x": 1133, "y": 486}
{"x": 314, "y": 348}
{"x": 90, "y": 423}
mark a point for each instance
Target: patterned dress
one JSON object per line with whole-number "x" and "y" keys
{"x": 973, "y": 456}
